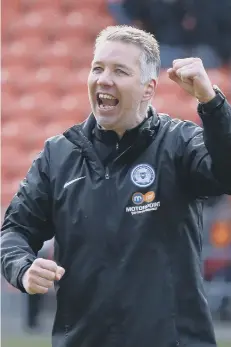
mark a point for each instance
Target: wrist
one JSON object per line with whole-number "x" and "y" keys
{"x": 207, "y": 98}
{"x": 213, "y": 104}
{"x": 22, "y": 278}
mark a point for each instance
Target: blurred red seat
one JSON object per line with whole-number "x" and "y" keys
{"x": 22, "y": 52}
{"x": 9, "y": 15}
{"x": 8, "y": 189}
{"x": 165, "y": 84}
{"x": 221, "y": 77}
{"x": 56, "y": 128}
{"x": 85, "y": 58}
{"x": 49, "y": 79}
{"x": 75, "y": 103}
{"x": 75, "y": 24}
{"x": 19, "y": 78}
{"x": 14, "y": 53}
{"x": 9, "y": 106}
{"x": 217, "y": 76}
{"x": 72, "y": 5}
{"x": 27, "y": 106}
{"x": 36, "y": 22}
{"x": 12, "y": 5}
{"x": 76, "y": 80}
{"x": 177, "y": 105}
{"x": 68, "y": 106}
{"x": 10, "y": 130}
{"x": 56, "y": 53}
{"x": 35, "y": 107}
{"x": 15, "y": 161}
{"x": 24, "y": 133}
{"x": 35, "y": 5}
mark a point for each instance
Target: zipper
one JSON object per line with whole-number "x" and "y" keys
{"x": 117, "y": 146}
{"x": 107, "y": 176}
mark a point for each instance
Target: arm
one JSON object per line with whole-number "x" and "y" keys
{"x": 27, "y": 224}
{"x": 205, "y": 155}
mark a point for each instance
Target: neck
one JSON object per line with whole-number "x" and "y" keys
{"x": 120, "y": 131}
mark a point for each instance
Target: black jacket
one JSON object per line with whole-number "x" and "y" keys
{"x": 129, "y": 235}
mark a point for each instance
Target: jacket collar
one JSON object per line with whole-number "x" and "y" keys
{"x": 85, "y": 129}
{"x": 80, "y": 136}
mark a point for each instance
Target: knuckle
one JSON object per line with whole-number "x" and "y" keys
{"x": 31, "y": 271}
{"x": 52, "y": 276}
{"x": 198, "y": 60}
{"x": 34, "y": 271}
{"x": 37, "y": 261}
{"x": 44, "y": 290}
{"x": 51, "y": 265}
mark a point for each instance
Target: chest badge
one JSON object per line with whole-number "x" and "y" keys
{"x": 143, "y": 175}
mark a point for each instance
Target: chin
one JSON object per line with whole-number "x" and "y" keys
{"x": 106, "y": 122}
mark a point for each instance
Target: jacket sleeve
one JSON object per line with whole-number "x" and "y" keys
{"x": 205, "y": 154}
{"x": 27, "y": 223}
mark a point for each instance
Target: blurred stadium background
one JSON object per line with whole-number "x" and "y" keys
{"x": 47, "y": 48}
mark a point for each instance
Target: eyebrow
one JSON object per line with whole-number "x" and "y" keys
{"x": 117, "y": 65}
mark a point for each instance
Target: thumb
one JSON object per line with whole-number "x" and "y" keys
{"x": 59, "y": 273}
{"x": 173, "y": 76}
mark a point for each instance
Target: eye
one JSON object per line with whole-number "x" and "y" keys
{"x": 120, "y": 72}
{"x": 97, "y": 69}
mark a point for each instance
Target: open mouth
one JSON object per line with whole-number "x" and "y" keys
{"x": 106, "y": 101}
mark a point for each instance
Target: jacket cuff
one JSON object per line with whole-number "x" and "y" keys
{"x": 210, "y": 107}
{"x": 20, "y": 276}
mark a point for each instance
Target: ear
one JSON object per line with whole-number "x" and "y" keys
{"x": 149, "y": 90}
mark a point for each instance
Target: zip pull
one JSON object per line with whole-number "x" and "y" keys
{"x": 117, "y": 146}
{"x": 107, "y": 176}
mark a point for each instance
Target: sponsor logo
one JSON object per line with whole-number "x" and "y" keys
{"x": 143, "y": 202}
{"x": 149, "y": 196}
{"x": 143, "y": 175}
{"x": 141, "y": 209}
{"x": 137, "y": 198}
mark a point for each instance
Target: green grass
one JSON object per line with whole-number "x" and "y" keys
{"x": 27, "y": 342}
{"x": 36, "y": 342}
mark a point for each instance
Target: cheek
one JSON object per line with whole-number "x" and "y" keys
{"x": 135, "y": 96}
{"x": 128, "y": 92}
{"x": 91, "y": 82}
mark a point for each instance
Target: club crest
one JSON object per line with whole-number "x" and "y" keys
{"x": 143, "y": 175}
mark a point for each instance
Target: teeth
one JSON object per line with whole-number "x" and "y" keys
{"x": 106, "y": 107}
{"x": 106, "y": 96}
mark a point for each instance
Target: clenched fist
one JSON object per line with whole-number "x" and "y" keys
{"x": 190, "y": 74}
{"x": 41, "y": 275}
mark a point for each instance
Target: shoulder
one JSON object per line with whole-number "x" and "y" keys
{"x": 184, "y": 129}
{"x": 58, "y": 144}
{"x": 56, "y": 140}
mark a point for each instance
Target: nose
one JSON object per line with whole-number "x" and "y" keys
{"x": 105, "y": 79}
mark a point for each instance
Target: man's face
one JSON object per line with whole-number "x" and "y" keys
{"x": 114, "y": 85}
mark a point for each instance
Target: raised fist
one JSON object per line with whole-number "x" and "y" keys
{"x": 190, "y": 74}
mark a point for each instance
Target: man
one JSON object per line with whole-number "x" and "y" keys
{"x": 122, "y": 194}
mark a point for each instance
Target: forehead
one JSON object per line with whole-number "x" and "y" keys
{"x": 110, "y": 52}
